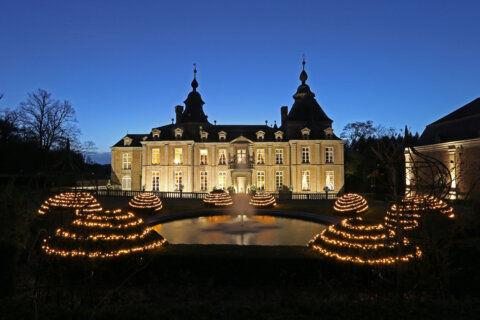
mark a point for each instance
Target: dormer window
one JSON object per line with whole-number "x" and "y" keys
{"x": 145, "y": 138}
{"x": 328, "y": 133}
{"x": 127, "y": 141}
{"x": 260, "y": 135}
{"x": 222, "y": 135}
{"x": 305, "y": 133}
{"x": 178, "y": 133}
{"x": 278, "y": 135}
{"x": 204, "y": 136}
{"x": 156, "y": 134}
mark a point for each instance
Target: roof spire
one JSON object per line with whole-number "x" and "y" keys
{"x": 303, "y": 75}
{"x": 194, "y": 82}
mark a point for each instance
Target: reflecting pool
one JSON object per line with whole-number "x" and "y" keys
{"x": 239, "y": 230}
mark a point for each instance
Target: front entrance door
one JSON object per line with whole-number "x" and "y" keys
{"x": 241, "y": 184}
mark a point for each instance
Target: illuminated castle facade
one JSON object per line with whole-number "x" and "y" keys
{"x": 194, "y": 155}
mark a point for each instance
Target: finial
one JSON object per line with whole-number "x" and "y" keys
{"x": 215, "y": 122}
{"x": 172, "y": 120}
{"x": 266, "y": 122}
{"x": 303, "y": 75}
{"x": 194, "y": 82}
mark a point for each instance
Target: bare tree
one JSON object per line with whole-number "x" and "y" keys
{"x": 50, "y": 122}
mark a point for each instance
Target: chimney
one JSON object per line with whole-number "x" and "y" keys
{"x": 284, "y": 113}
{"x": 178, "y": 112}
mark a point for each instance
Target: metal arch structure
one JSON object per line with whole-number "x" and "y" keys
{"x": 426, "y": 175}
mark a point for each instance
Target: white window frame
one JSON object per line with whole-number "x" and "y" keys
{"x": 331, "y": 174}
{"x": 260, "y": 156}
{"x": 222, "y": 180}
{"x": 127, "y": 182}
{"x": 278, "y": 156}
{"x": 329, "y": 155}
{"x": 178, "y": 156}
{"x": 279, "y": 180}
{"x": 127, "y": 161}
{"x": 261, "y": 180}
{"x": 203, "y": 180}
{"x": 203, "y": 156}
{"x": 305, "y": 154}
{"x": 155, "y": 180}
{"x": 178, "y": 179}
{"x": 242, "y": 156}
{"x": 222, "y": 156}
{"x": 306, "y": 180}
{"x": 156, "y": 156}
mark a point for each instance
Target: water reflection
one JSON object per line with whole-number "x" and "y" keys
{"x": 239, "y": 230}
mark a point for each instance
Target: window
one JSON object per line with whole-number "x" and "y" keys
{"x": 278, "y": 135}
{"x": 329, "y": 180}
{"x": 203, "y": 180}
{"x": 260, "y": 135}
{"x": 155, "y": 180}
{"x": 278, "y": 179}
{"x": 305, "y": 133}
{"x": 306, "y": 180}
{"x": 329, "y": 155}
{"x": 156, "y": 156}
{"x": 126, "y": 183}
{"x": 222, "y": 180}
{"x": 305, "y": 154}
{"x": 222, "y": 135}
{"x": 278, "y": 156}
{"x": 178, "y": 180}
{"x": 241, "y": 156}
{"x": 261, "y": 180}
{"x": 260, "y": 156}
{"x": 222, "y": 156}
{"x": 203, "y": 156}
{"x": 127, "y": 161}
{"x": 178, "y": 156}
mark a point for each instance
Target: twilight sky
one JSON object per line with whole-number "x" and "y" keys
{"x": 124, "y": 65}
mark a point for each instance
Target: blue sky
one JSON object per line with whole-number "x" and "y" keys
{"x": 124, "y": 65}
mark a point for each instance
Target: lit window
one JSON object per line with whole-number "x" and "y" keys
{"x": 278, "y": 156}
{"x": 126, "y": 183}
{"x": 260, "y": 156}
{"x": 329, "y": 180}
{"x": 241, "y": 156}
{"x": 261, "y": 180}
{"x": 156, "y": 156}
{"x": 305, "y": 155}
{"x": 222, "y": 179}
{"x": 203, "y": 156}
{"x": 329, "y": 154}
{"x": 155, "y": 180}
{"x": 222, "y": 156}
{"x": 278, "y": 179}
{"x": 127, "y": 161}
{"x": 178, "y": 180}
{"x": 203, "y": 180}
{"x": 306, "y": 180}
{"x": 178, "y": 156}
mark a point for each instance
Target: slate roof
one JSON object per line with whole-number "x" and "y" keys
{"x": 232, "y": 131}
{"x": 305, "y": 113}
{"x": 461, "y": 124}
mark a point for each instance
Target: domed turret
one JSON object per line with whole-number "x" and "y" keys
{"x": 306, "y": 109}
{"x": 194, "y": 105}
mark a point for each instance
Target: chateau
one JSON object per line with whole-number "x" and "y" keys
{"x": 194, "y": 155}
